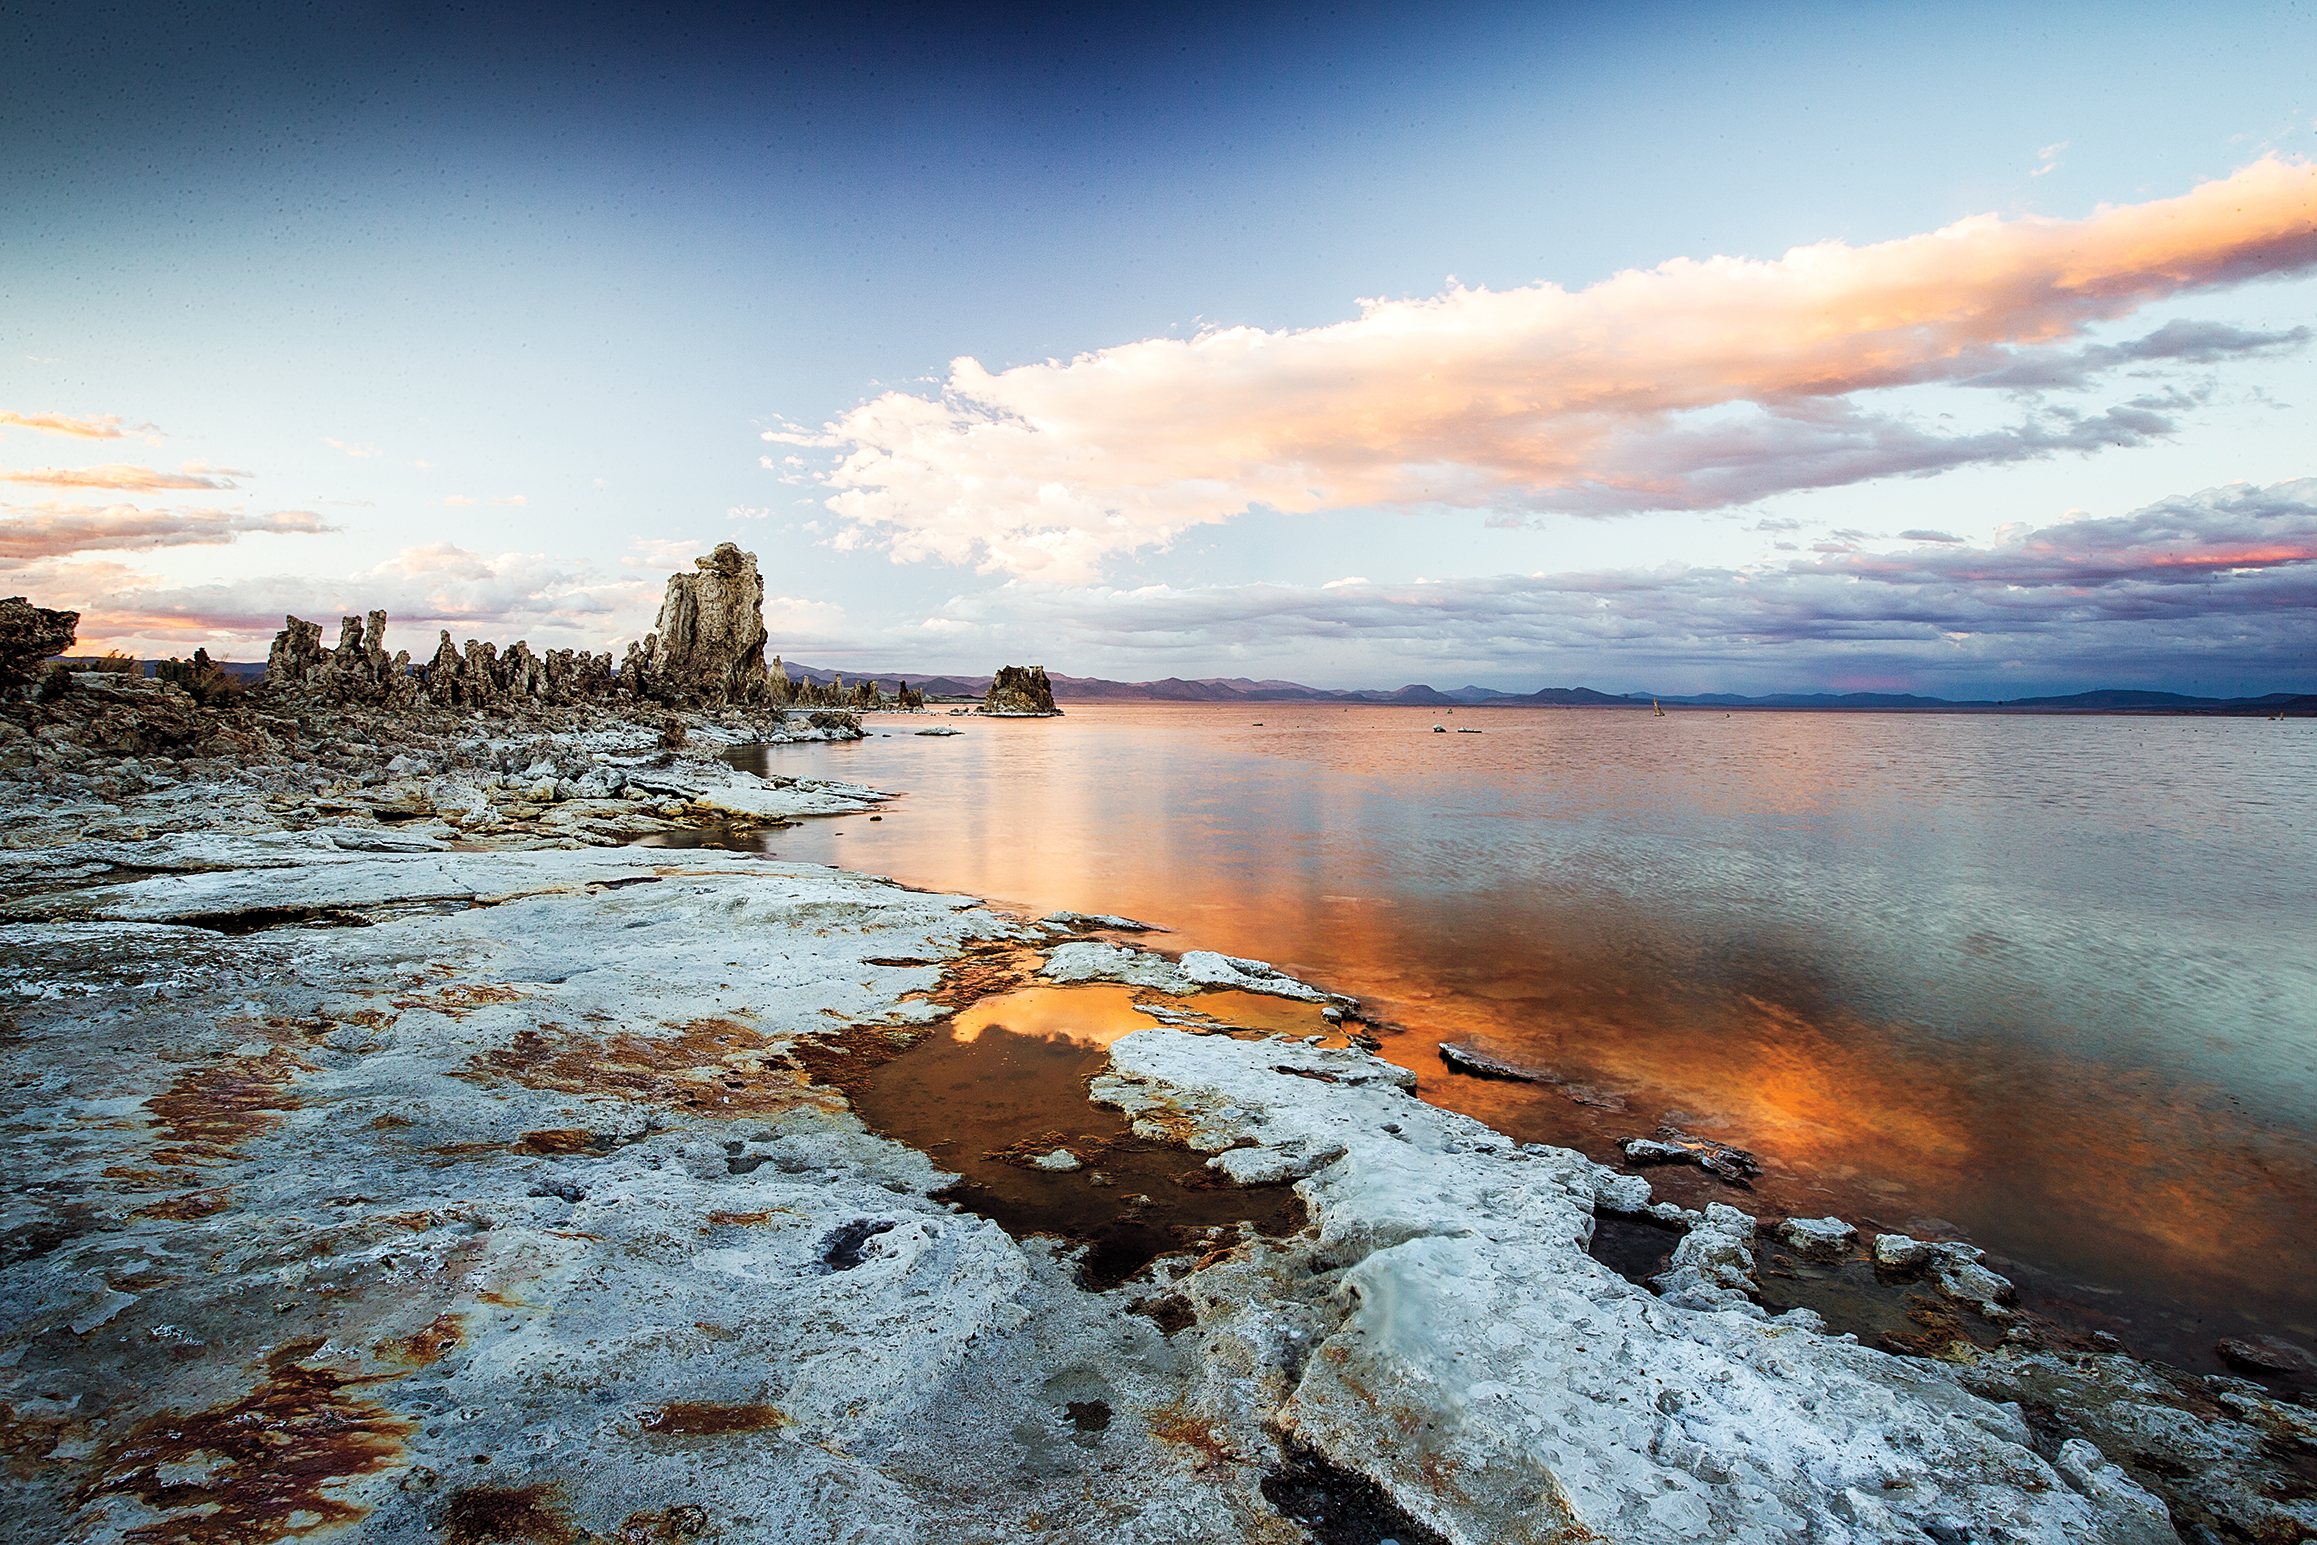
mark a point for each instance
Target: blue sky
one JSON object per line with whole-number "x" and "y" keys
{"x": 482, "y": 314}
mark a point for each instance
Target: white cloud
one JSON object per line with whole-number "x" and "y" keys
{"x": 1692, "y": 385}
{"x": 59, "y": 530}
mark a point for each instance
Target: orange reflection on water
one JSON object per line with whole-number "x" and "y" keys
{"x": 2043, "y": 981}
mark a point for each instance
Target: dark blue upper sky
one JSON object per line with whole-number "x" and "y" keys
{"x": 396, "y": 263}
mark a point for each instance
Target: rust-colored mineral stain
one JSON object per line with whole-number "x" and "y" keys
{"x": 208, "y": 1112}
{"x": 702, "y": 1419}
{"x": 982, "y": 971}
{"x": 266, "y": 1462}
{"x": 560, "y": 1140}
{"x": 712, "y": 1067}
{"x": 424, "y": 1345}
{"x": 459, "y": 999}
{"x": 194, "y": 1204}
{"x": 500, "y": 1515}
{"x": 845, "y": 1059}
{"x": 1172, "y": 1424}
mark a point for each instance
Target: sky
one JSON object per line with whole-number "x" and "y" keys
{"x": 1966, "y": 350}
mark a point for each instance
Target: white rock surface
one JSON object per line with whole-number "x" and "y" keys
{"x": 1092, "y": 960}
{"x": 527, "y": 1169}
{"x": 1527, "y": 1393}
{"x": 1208, "y": 969}
{"x": 2139, "y": 1518}
{"x": 1823, "y": 1238}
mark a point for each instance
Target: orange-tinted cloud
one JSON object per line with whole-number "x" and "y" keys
{"x": 106, "y": 427}
{"x": 56, "y": 530}
{"x": 1691, "y": 385}
{"x": 123, "y": 477}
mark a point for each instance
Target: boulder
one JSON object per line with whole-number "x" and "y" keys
{"x": 1899, "y": 1252}
{"x": 1827, "y": 1239}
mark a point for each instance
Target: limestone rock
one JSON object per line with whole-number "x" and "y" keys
{"x": 29, "y": 635}
{"x": 1713, "y": 1266}
{"x": 2268, "y": 1354}
{"x": 711, "y": 632}
{"x": 1821, "y": 1238}
{"x": 1899, "y": 1252}
{"x": 2133, "y": 1516}
{"x": 1020, "y": 691}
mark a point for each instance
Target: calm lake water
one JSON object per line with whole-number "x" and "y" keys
{"x": 2049, "y": 984}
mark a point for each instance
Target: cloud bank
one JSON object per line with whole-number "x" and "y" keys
{"x": 2221, "y": 580}
{"x": 58, "y": 530}
{"x": 438, "y": 585}
{"x": 104, "y": 427}
{"x": 124, "y": 478}
{"x": 1692, "y": 385}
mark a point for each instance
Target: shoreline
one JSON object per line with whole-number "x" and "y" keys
{"x": 540, "y": 1156}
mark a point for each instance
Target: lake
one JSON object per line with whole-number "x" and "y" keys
{"x": 2045, "y": 983}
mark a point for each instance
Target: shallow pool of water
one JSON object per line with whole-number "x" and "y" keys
{"x": 1001, "y": 1086}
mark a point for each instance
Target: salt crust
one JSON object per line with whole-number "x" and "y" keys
{"x": 1091, "y": 960}
{"x": 1505, "y": 1386}
{"x": 606, "y": 1257}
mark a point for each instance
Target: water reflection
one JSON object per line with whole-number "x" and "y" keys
{"x": 2043, "y": 980}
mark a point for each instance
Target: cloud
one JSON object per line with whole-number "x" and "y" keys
{"x": 106, "y": 427}
{"x": 552, "y": 601}
{"x": 358, "y": 451}
{"x": 2049, "y": 156}
{"x": 464, "y": 499}
{"x": 663, "y": 554}
{"x": 2229, "y": 575}
{"x": 1692, "y": 385}
{"x": 2176, "y": 342}
{"x": 57, "y": 530}
{"x": 1927, "y": 536}
{"x": 123, "y": 477}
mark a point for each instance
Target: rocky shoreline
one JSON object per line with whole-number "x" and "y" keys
{"x": 398, "y": 1150}
{"x": 475, "y": 1179}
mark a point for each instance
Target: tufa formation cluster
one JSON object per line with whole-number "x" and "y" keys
{"x": 706, "y": 652}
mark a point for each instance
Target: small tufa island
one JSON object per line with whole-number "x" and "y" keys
{"x": 1020, "y": 692}
{"x": 706, "y": 651}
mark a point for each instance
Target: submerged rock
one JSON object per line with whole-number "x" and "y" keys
{"x": 1471, "y": 1061}
{"x": 1671, "y": 1145}
{"x": 2267, "y": 1354}
{"x": 1084, "y": 921}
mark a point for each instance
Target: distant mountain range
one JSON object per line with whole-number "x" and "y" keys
{"x": 1239, "y": 689}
